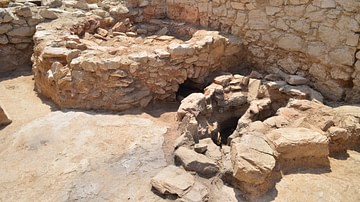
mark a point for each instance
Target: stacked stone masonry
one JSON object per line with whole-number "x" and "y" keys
{"x": 82, "y": 69}
{"x": 279, "y": 127}
{"x": 313, "y": 38}
{"x": 17, "y": 27}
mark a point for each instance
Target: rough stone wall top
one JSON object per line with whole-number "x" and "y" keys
{"x": 17, "y": 26}
{"x": 318, "y": 39}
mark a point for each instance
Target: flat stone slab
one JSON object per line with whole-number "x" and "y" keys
{"x": 173, "y": 180}
{"x": 194, "y": 161}
{"x": 293, "y": 143}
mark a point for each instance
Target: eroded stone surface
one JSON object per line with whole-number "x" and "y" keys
{"x": 4, "y": 119}
{"x": 199, "y": 163}
{"x": 253, "y": 162}
{"x": 173, "y": 180}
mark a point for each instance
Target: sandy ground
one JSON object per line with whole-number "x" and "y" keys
{"x": 48, "y": 154}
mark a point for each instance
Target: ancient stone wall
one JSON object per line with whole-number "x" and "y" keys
{"x": 17, "y": 26}
{"x": 314, "y": 38}
{"x": 98, "y": 66}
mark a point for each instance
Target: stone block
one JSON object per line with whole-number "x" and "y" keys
{"x": 5, "y": 28}
{"x": 253, "y": 163}
{"x": 22, "y": 31}
{"x": 173, "y": 180}
{"x": 193, "y": 161}
{"x": 300, "y": 147}
{"x": 3, "y": 39}
{"x": 4, "y": 119}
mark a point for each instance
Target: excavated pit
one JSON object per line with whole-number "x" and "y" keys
{"x": 264, "y": 128}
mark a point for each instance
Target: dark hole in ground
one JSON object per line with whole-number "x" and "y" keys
{"x": 188, "y": 87}
{"x": 227, "y": 128}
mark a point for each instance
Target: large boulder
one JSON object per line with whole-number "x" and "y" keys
{"x": 4, "y": 119}
{"x": 194, "y": 161}
{"x": 173, "y": 180}
{"x": 300, "y": 147}
{"x": 253, "y": 163}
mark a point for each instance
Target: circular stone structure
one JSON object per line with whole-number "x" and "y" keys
{"x": 103, "y": 63}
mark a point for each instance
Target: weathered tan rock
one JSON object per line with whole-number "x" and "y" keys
{"x": 51, "y": 3}
{"x": 22, "y": 31}
{"x": 194, "y": 161}
{"x": 253, "y": 163}
{"x": 5, "y": 28}
{"x": 300, "y": 147}
{"x": 173, "y": 180}
{"x": 212, "y": 150}
{"x": 198, "y": 193}
{"x": 48, "y": 14}
{"x": 23, "y": 11}
{"x": 296, "y": 80}
{"x": 3, "y": 39}
{"x": 194, "y": 104}
{"x": 4, "y": 119}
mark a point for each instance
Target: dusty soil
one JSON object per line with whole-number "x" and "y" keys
{"x": 48, "y": 154}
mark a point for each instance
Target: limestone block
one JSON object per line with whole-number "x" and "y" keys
{"x": 325, "y": 3}
{"x": 343, "y": 56}
{"x": 297, "y": 11}
{"x": 292, "y": 143}
{"x": 253, "y": 162}
{"x": 253, "y": 89}
{"x": 51, "y": 3}
{"x": 223, "y": 80}
{"x": 238, "y": 6}
{"x": 276, "y": 2}
{"x": 4, "y": 119}
{"x": 178, "y": 50}
{"x": 240, "y": 19}
{"x": 194, "y": 161}
{"x": 5, "y": 28}
{"x": 271, "y": 10}
{"x": 212, "y": 150}
{"x": 17, "y": 40}
{"x": 6, "y": 16}
{"x": 23, "y": 11}
{"x": 352, "y": 39}
{"x": 329, "y": 36}
{"x": 55, "y": 52}
{"x": 22, "y": 31}
{"x": 220, "y": 11}
{"x": 3, "y": 39}
{"x": 318, "y": 71}
{"x": 35, "y": 20}
{"x": 348, "y": 23}
{"x": 336, "y": 133}
{"x": 316, "y": 49}
{"x": 81, "y": 4}
{"x": 194, "y": 104}
{"x": 296, "y": 80}
{"x": 48, "y": 14}
{"x": 301, "y": 92}
{"x": 258, "y": 20}
{"x": 288, "y": 65}
{"x": 291, "y": 42}
{"x": 330, "y": 89}
{"x": 198, "y": 193}
{"x": 342, "y": 73}
{"x": 173, "y": 180}
{"x": 298, "y": 2}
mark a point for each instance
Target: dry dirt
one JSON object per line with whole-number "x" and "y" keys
{"x": 48, "y": 154}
